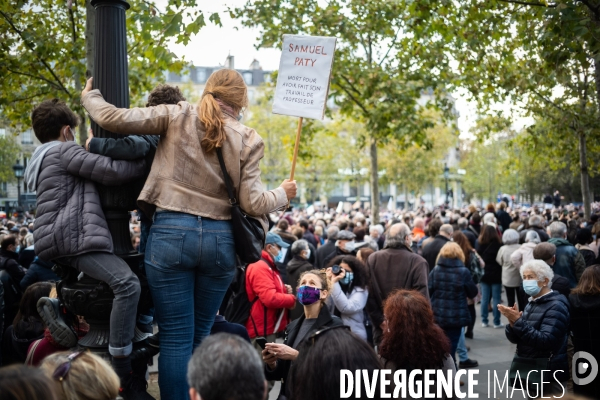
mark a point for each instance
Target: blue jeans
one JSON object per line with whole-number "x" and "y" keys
{"x": 495, "y": 291}
{"x": 190, "y": 262}
{"x": 461, "y": 348}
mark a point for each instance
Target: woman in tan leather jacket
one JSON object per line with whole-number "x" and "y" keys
{"x": 190, "y": 256}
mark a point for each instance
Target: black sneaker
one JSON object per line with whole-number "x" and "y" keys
{"x": 469, "y": 335}
{"x": 61, "y": 331}
{"x": 468, "y": 363}
{"x": 133, "y": 387}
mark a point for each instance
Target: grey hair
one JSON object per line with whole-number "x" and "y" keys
{"x": 394, "y": 241}
{"x": 489, "y": 217}
{"x": 332, "y": 232}
{"x": 447, "y": 229}
{"x": 532, "y": 237}
{"x": 539, "y": 268}
{"x": 299, "y": 246}
{"x": 225, "y": 366}
{"x": 535, "y": 220}
{"x": 557, "y": 229}
{"x": 510, "y": 237}
{"x": 463, "y": 223}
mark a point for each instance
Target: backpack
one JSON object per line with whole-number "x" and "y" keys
{"x": 238, "y": 306}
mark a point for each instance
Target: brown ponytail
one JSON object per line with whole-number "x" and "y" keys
{"x": 228, "y": 86}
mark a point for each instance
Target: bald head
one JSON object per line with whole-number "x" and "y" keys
{"x": 399, "y": 231}
{"x": 419, "y": 223}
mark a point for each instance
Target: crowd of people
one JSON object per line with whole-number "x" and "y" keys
{"x": 331, "y": 291}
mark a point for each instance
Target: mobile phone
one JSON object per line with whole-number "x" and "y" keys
{"x": 262, "y": 342}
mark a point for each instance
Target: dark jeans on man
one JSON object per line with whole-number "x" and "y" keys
{"x": 125, "y": 285}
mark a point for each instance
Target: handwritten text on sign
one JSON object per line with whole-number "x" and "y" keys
{"x": 303, "y": 80}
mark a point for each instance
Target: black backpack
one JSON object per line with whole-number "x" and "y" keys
{"x": 238, "y": 306}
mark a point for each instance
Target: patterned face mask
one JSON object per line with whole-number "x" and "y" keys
{"x": 308, "y": 295}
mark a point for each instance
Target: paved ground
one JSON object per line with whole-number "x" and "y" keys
{"x": 489, "y": 347}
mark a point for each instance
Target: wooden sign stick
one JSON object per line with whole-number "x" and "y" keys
{"x": 296, "y": 149}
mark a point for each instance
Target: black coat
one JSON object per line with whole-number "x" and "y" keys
{"x": 431, "y": 251}
{"x": 323, "y": 252}
{"x": 540, "y": 231}
{"x": 585, "y": 328}
{"x": 542, "y": 331}
{"x": 9, "y": 263}
{"x": 324, "y": 320}
{"x": 492, "y": 272}
{"x": 503, "y": 219}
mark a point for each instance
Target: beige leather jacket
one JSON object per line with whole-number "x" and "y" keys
{"x": 183, "y": 177}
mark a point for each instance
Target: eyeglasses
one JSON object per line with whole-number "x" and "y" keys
{"x": 315, "y": 335}
{"x": 63, "y": 369}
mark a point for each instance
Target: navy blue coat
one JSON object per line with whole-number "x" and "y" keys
{"x": 39, "y": 271}
{"x": 542, "y": 330}
{"x": 450, "y": 283}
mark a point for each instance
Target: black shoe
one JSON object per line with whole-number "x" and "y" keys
{"x": 468, "y": 363}
{"x": 469, "y": 335}
{"x": 133, "y": 387}
{"x": 61, "y": 331}
{"x": 146, "y": 328}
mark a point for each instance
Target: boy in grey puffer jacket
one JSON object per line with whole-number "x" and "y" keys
{"x": 70, "y": 224}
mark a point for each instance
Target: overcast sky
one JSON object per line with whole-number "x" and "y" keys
{"x": 212, "y": 45}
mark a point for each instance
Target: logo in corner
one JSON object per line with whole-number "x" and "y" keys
{"x": 590, "y": 364}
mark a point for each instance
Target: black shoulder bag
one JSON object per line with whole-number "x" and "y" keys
{"x": 248, "y": 233}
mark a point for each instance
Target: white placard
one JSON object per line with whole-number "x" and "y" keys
{"x": 303, "y": 78}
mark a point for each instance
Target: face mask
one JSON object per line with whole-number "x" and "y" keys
{"x": 349, "y": 247}
{"x": 531, "y": 287}
{"x": 308, "y": 295}
{"x": 409, "y": 243}
{"x": 72, "y": 135}
{"x": 307, "y": 254}
{"x": 347, "y": 279}
{"x": 279, "y": 257}
{"x": 239, "y": 117}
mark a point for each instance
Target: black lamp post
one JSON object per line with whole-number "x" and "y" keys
{"x": 19, "y": 171}
{"x": 446, "y": 176}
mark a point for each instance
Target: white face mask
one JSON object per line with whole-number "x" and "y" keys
{"x": 70, "y": 130}
{"x": 307, "y": 255}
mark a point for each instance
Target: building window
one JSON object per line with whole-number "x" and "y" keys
{"x": 247, "y": 78}
{"x": 26, "y": 137}
{"x": 267, "y": 77}
{"x": 201, "y": 75}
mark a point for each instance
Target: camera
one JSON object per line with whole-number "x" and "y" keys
{"x": 336, "y": 269}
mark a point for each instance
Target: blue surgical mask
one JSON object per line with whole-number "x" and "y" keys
{"x": 347, "y": 279}
{"x": 279, "y": 257}
{"x": 531, "y": 287}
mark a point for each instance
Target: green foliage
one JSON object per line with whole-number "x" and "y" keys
{"x": 9, "y": 153}
{"x": 43, "y": 49}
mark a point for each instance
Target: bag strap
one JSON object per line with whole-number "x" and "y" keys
{"x": 226, "y": 177}
{"x": 29, "y": 359}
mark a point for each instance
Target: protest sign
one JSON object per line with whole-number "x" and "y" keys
{"x": 303, "y": 77}
{"x": 303, "y": 80}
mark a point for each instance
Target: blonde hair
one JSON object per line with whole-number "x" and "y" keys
{"x": 90, "y": 377}
{"x": 452, "y": 250}
{"x": 228, "y": 86}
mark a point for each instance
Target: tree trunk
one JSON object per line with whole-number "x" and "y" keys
{"x": 585, "y": 179}
{"x": 374, "y": 182}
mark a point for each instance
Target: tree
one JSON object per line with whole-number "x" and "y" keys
{"x": 415, "y": 166}
{"x": 387, "y": 58}
{"x": 46, "y": 47}
{"x": 541, "y": 56}
{"x": 9, "y": 153}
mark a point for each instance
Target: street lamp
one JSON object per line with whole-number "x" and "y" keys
{"x": 446, "y": 176}
{"x": 19, "y": 171}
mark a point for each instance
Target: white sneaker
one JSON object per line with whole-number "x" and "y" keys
{"x": 485, "y": 325}
{"x": 499, "y": 326}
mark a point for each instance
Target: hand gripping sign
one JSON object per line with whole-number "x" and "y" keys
{"x": 303, "y": 80}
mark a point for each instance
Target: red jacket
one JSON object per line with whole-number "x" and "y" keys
{"x": 263, "y": 280}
